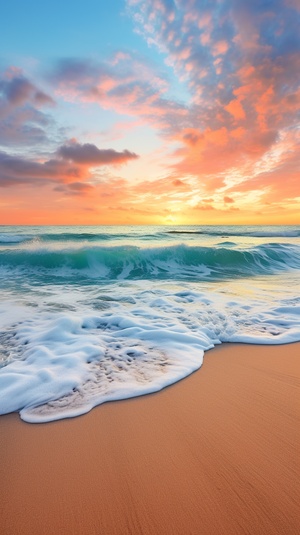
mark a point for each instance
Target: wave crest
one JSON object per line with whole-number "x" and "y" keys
{"x": 178, "y": 261}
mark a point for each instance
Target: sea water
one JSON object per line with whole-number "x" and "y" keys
{"x": 92, "y": 314}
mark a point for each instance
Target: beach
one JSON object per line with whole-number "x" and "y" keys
{"x": 150, "y": 268}
{"x": 216, "y": 453}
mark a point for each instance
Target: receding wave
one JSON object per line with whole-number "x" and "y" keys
{"x": 178, "y": 261}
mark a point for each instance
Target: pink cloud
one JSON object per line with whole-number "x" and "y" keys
{"x": 220, "y": 47}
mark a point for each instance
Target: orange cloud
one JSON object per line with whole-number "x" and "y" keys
{"x": 236, "y": 109}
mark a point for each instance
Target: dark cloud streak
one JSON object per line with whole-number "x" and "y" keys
{"x": 91, "y": 155}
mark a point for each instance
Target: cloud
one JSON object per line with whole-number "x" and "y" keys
{"x": 127, "y": 83}
{"x": 228, "y": 200}
{"x": 71, "y": 161}
{"x": 19, "y": 170}
{"x": 89, "y": 154}
{"x": 277, "y": 178}
{"x": 232, "y": 140}
{"x": 204, "y": 207}
{"x": 75, "y": 188}
{"x": 236, "y": 109}
{"x": 239, "y": 62}
{"x": 22, "y": 121}
{"x": 19, "y": 90}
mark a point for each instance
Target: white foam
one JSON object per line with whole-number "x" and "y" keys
{"x": 63, "y": 357}
{"x": 68, "y": 353}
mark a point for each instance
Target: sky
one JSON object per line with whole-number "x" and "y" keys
{"x": 150, "y": 112}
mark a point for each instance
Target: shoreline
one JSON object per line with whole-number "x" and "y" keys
{"x": 215, "y": 453}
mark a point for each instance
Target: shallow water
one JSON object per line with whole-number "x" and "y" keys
{"x": 91, "y": 314}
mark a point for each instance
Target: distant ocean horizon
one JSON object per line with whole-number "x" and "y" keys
{"x": 91, "y": 313}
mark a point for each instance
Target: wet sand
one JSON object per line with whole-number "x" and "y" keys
{"x": 217, "y": 453}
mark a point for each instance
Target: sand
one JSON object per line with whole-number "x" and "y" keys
{"x": 217, "y": 453}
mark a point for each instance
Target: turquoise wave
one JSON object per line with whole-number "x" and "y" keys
{"x": 173, "y": 262}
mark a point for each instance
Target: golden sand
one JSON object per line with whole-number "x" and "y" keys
{"x": 217, "y": 453}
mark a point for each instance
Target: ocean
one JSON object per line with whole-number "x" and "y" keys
{"x": 92, "y": 314}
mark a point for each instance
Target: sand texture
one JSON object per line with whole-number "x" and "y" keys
{"x": 217, "y": 453}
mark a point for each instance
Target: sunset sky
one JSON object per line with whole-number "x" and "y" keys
{"x": 150, "y": 112}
